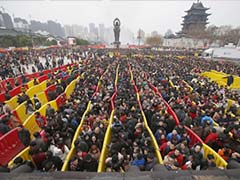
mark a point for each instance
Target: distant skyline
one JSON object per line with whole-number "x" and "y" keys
{"x": 147, "y": 15}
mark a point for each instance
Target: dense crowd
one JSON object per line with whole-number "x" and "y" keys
{"x": 32, "y": 104}
{"x": 197, "y": 102}
{"x": 89, "y": 143}
{"x": 16, "y": 63}
{"x": 200, "y": 107}
{"x": 51, "y": 146}
{"x": 130, "y": 141}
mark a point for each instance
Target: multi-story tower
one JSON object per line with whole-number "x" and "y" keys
{"x": 195, "y": 21}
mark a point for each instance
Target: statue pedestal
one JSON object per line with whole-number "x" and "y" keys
{"x": 116, "y": 44}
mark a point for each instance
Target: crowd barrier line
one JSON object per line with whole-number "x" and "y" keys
{"x": 31, "y": 125}
{"x": 229, "y": 105}
{"x": 21, "y": 114}
{"x": 60, "y": 100}
{"x": 30, "y": 92}
{"x": 24, "y": 155}
{"x": 13, "y": 101}
{"x": 153, "y": 140}
{"x": 17, "y": 90}
{"x": 34, "y": 75}
{"x": 78, "y": 131}
{"x": 107, "y": 137}
{"x": 220, "y": 162}
{"x": 10, "y": 145}
{"x": 20, "y": 111}
{"x": 106, "y": 142}
{"x": 75, "y": 137}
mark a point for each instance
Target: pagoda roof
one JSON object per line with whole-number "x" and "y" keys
{"x": 196, "y": 13}
{"x": 194, "y": 22}
{"x": 198, "y": 6}
{"x": 203, "y": 20}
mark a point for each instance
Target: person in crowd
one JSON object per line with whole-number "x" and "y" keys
{"x": 35, "y": 82}
{"x": 41, "y": 120}
{"x": 4, "y": 128}
{"x": 7, "y": 95}
{"x": 24, "y": 135}
{"x": 187, "y": 100}
{"x": 9, "y": 86}
{"x": 21, "y": 166}
{"x": 50, "y": 112}
{"x": 234, "y": 161}
{"x": 37, "y": 103}
{"x": 29, "y": 107}
{"x": 33, "y": 69}
{"x": 225, "y": 152}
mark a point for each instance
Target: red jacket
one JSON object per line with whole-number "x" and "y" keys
{"x": 179, "y": 158}
{"x": 123, "y": 118}
{"x": 38, "y": 159}
{"x": 211, "y": 138}
{"x": 192, "y": 115}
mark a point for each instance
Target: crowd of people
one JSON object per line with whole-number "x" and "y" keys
{"x": 89, "y": 143}
{"x": 198, "y": 103}
{"x": 32, "y": 104}
{"x": 16, "y": 63}
{"x": 50, "y": 147}
{"x": 130, "y": 141}
{"x": 199, "y": 107}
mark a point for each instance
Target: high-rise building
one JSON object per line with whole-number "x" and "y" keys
{"x": 51, "y": 27}
{"x": 101, "y": 32}
{"x": 93, "y": 32}
{"x": 85, "y": 30}
{"x": 6, "y": 20}
{"x": 91, "y": 28}
{"x": 21, "y": 24}
{"x": 126, "y": 36}
{"x": 108, "y": 35}
{"x": 38, "y": 26}
{"x": 140, "y": 36}
{"x": 68, "y": 30}
{"x": 55, "y": 28}
{"x": 75, "y": 30}
{"x": 1, "y": 21}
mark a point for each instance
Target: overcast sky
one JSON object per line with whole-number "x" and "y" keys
{"x": 152, "y": 15}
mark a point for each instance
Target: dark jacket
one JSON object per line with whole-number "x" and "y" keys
{"x": 55, "y": 160}
{"x": 24, "y": 136}
{"x": 22, "y": 168}
{"x": 90, "y": 165}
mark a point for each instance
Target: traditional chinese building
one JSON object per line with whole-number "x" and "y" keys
{"x": 195, "y": 20}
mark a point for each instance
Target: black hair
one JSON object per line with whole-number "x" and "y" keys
{"x": 210, "y": 156}
{"x": 36, "y": 134}
{"x": 48, "y": 166}
{"x": 18, "y": 160}
{"x": 214, "y": 130}
{"x": 49, "y": 154}
{"x": 139, "y": 156}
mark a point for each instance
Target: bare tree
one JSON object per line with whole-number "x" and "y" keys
{"x": 224, "y": 34}
{"x": 169, "y": 34}
{"x": 154, "y": 40}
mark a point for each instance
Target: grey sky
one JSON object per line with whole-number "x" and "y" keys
{"x": 149, "y": 15}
